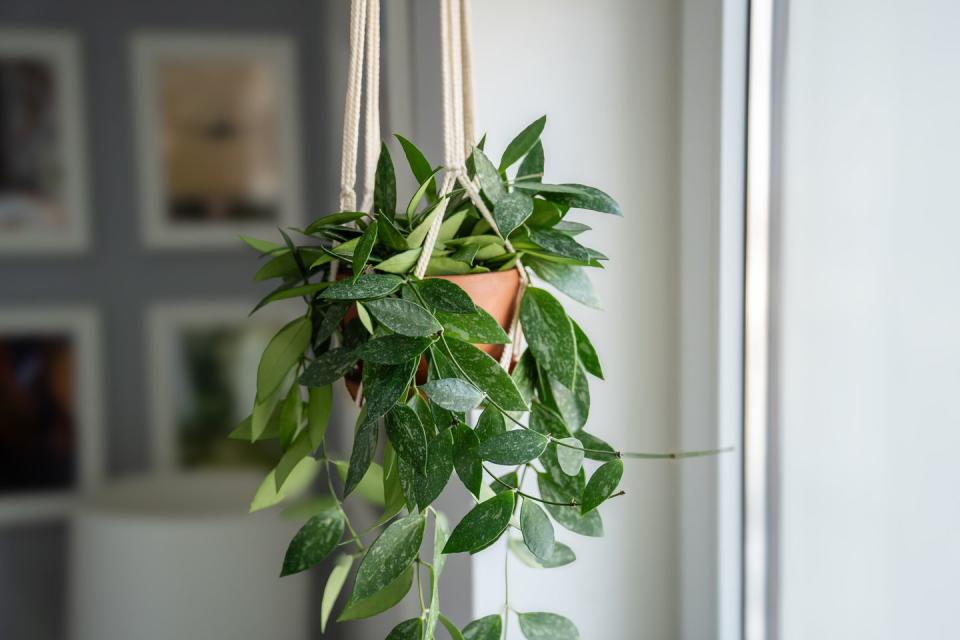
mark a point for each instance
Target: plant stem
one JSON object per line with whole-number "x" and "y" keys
{"x": 527, "y": 495}
{"x": 506, "y": 587}
{"x": 674, "y": 456}
{"x": 354, "y": 537}
{"x": 423, "y": 606}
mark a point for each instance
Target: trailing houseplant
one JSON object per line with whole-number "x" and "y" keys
{"x": 407, "y": 347}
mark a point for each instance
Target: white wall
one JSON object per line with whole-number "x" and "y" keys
{"x": 870, "y": 348}
{"x": 606, "y": 73}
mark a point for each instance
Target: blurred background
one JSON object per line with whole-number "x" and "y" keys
{"x": 800, "y": 150}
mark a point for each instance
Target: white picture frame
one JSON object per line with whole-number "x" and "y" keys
{"x": 166, "y": 322}
{"x": 81, "y": 325}
{"x": 150, "y": 51}
{"x": 61, "y": 51}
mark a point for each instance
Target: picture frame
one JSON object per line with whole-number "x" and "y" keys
{"x": 203, "y": 358}
{"x": 44, "y": 204}
{"x": 50, "y": 373}
{"x": 217, "y": 124}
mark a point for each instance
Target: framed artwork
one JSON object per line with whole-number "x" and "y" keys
{"x": 217, "y": 125}
{"x": 50, "y": 411}
{"x": 43, "y": 199}
{"x": 203, "y": 359}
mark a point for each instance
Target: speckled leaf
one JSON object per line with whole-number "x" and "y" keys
{"x": 511, "y": 210}
{"x": 411, "y": 629}
{"x": 487, "y": 374}
{"x": 532, "y": 166}
{"x": 584, "y": 197}
{"x": 525, "y": 375}
{"x": 404, "y": 317}
{"x": 594, "y": 445}
{"x": 393, "y": 349}
{"x": 550, "y": 334}
{"x": 329, "y": 367}
{"x": 364, "y": 447}
{"x": 453, "y": 394}
{"x": 562, "y": 555}
{"x": 573, "y": 405}
{"x": 547, "y": 626}
{"x": 282, "y": 353}
{"x": 547, "y": 421}
{"x": 466, "y": 458}
{"x": 380, "y": 601}
{"x": 570, "y": 457}
{"x": 602, "y": 483}
{"x": 364, "y": 247}
{"x": 490, "y": 423}
{"x": 441, "y": 533}
{"x": 407, "y": 436}
{"x": 522, "y": 144}
{"x": 513, "y": 447}
{"x": 536, "y": 528}
{"x": 419, "y": 165}
{"x": 389, "y": 556}
{"x": 443, "y": 295}
{"x": 569, "y": 517}
{"x": 429, "y": 486}
{"x": 408, "y": 479}
{"x": 371, "y": 485}
{"x": 485, "y": 628}
{"x": 559, "y": 243}
{"x": 335, "y": 581}
{"x": 571, "y": 486}
{"x": 476, "y": 328}
{"x": 330, "y": 320}
{"x": 314, "y": 542}
{"x": 366, "y": 286}
{"x": 385, "y": 183}
{"x": 384, "y": 384}
{"x": 567, "y": 278}
{"x": 506, "y": 482}
{"x": 490, "y": 180}
{"x": 586, "y": 352}
{"x": 482, "y": 525}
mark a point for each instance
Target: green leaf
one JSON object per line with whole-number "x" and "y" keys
{"x": 549, "y": 334}
{"x": 280, "y": 356}
{"x": 335, "y": 582}
{"x": 389, "y": 234}
{"x": 364, "y": 446}
{"x": 453, "y": 394}
{"x": 291, "y": 412}
{"x": 567, "y": 278}
{"x": 419, "y": 233}
{"x": 562, "y": 555}
{"x": 418, "y": 196}
{"x": 389, "y": 556}
{"x": 334, "y": 220}
{"x": 511, "y": 210}
{"x": 364, "y": 247}
{"x": 402, "y": 262}
{"x": 380, "y": 601}
{"x": 452, "y": 628}
{"x": 407, "y": 477}
{"x": 513, "y": 447}
{"x": 263, "y": 246}
{"x": 547, "y": 626}
{"x": 300, "y": 449}
{"x": 522, "y": 144}
{"x": 573, "y": 404}
{"x": 570, "y": 457}
{"x": 545, "y": 214}
{"x": 407, "y": 436}
{"x": 525, "y": 375}
{"x": 407, "y": 630}
{"x": 571, "y": 228}
{"x": 466, "y": 458}
{"x": 536, "y": 529}
{"x": 559, "y": 243}
{"x": 475, "y": 328}
{"x": 314, "y": 542}
{"x": 443, "y": 295}
{"x": 393, "y": 349}
{"x": 266, "y": 416}
{"x": 385, "y": 183}
{"x": 541, "y": 187}
{"x": 487, "y": 374}
{"x": 443, "y": 266}
{"x": 546, "y": 421}
{"x": 490, "y": 180}
{"x": 569, "y": 517}
{"x": 287, "y": 291}
{"x": 596, "y": 444}
{"x": 368, "y": 285}
{"x": 602, "y": 484}
{"x": 364, "y": 318}
{"x": 300, "y": 478}
{"x": 419, "y": 165}
{"x": 490, "y": 423}
{"x": 384, "y": 384}
{"x": 482, "y": 525}
{"x": 441, "y": 533}
{"x": 428, "y": 487}
{"x": 584, "y": 197}
{"x": 451, "y": 226}
{"x": 404, "y": 317}
{"x": 330, "y": 320}
{"x": 329, "y": 367}
{"x": 571, "y": 486}
{"x": 586, "y": 352}
{"x": 532, "y": 166}
{"x": 485, "y": 628}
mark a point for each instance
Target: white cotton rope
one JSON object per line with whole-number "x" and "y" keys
{"x": 371, "y": 132}
{"x": 351, "y": 112}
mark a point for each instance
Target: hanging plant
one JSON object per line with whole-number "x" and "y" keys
{"x": 421, "y": 352}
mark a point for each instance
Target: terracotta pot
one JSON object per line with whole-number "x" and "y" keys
{"x": 494, "y": 292}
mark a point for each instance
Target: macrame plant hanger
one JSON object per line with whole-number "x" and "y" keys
{"x": 458, "y": 130}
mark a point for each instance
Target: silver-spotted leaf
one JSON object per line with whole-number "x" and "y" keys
{"x": 570, "y": 518}
{"x": 476, "y": 328}
{"x": 411, "y": 629}
{"x": 393, "y": 349}
{"x": 523, "y": 143}
{"x": 329, "y": 367}
{"x": 547, "y": 626}
{"x": 466, "y": 458}
{"x": 443, "y": 295}
{"x": 562, "y": 555}
{"x": 407, "y": 435}
{"x": 428, "y": 486}
{"x": 404, "y": 317}
{"x": 485, "y": 628}
{"x": 513, "y": 447}
{"x": 453, "y": 394}
{"x": 381, "y": 600}
{"x": 567, "y": 278}
{"x": 490, "y": 180}
{"x": 482, "y": 525}
{"x": 364, "y": 247}
{"x": 389, "y": 556}
{"x": 536, "y": 529}
{"x": 487, "y": 374}
{"x": 602, "y": 483}
{"x": 314, "y": 542}
{"x": 570, "y": 455}
{"x": 366, "y": 286}
{"x": 586, "y": 352}
{"x": 511, "y": 210}
{"x": 549, "y": 334}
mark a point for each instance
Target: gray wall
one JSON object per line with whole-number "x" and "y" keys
{"x": 117, "y": 275}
